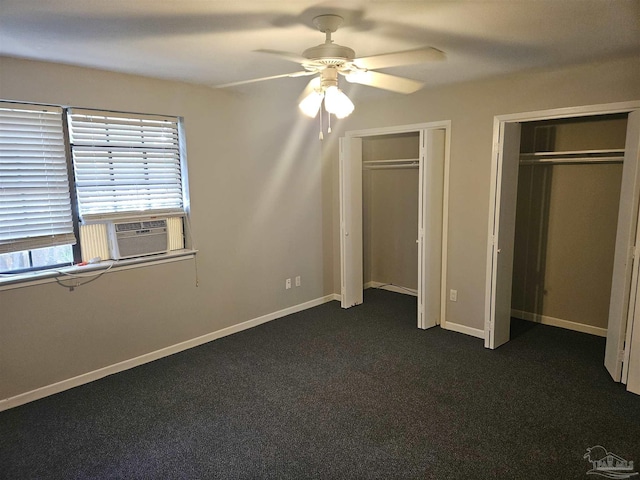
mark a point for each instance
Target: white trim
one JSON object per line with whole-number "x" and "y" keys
{"x": 559, "y": 322}
{"x": 20, "y": 280}
{"x": 582, "y": 111}
{"x": 392, "y": 288}
{"x": 456, "y": 327}
{"x": 445, "y": 226}
{"x": 421, "y": 241}
{"x": 415, "y": 127}
{"x": 84, "y": 378}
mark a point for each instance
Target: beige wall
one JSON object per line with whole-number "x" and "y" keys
{"x": 471, "y": 107}
{"x": 257, "y": 201}
{"x": 391, "y": 147}
{"x": 565, "y": 241}
{"x": 603, "y": 132}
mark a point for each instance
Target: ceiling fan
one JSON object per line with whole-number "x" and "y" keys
{"x": 328, "y": 60}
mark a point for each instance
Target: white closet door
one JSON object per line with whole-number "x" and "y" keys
{"x": 432, "y": 159}
{"x": 501, "y": 239}
{"x": 623, "y": 297}
{"x": 351, "y": 221}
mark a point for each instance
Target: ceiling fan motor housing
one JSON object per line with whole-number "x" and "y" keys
{"x": 329, "y": 54}
{"x": 329, "y": 77}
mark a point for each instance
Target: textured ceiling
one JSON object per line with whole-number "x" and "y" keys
{"x": 213, "y": 42}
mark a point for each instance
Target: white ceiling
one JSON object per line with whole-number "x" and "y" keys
{"x": 212, "y": 42}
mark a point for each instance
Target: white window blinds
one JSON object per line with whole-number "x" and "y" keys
{"x": 35, "y": 205}
{"x": 125, "y": 164}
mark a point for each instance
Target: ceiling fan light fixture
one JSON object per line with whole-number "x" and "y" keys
{"x": 310, "y": 105}
{"x": 336, "y": 102}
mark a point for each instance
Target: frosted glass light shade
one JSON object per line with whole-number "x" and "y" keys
{"x": 311, "y": 104}
{"x": 336, "y": 102}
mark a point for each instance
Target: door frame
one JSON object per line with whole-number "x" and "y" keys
{"x": 496, "y": 186}
{"x": 348, "y": 273}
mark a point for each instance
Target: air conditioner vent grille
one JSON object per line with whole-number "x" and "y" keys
{"x": 154, "y": 224}
{"x": 127, "y": 227}
{"x": 130, "y": 226}
{"x": 135, "y": 239}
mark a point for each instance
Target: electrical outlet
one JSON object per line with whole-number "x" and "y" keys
{"x": 453, "y": 295}
{"x": 287, "y": 284}
{"x": 298, "y": 281}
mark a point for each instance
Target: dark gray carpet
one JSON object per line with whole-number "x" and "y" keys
{"x": 332, "y": 393}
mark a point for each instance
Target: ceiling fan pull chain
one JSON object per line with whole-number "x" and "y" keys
{"x": 329, "y": 122}
{"x": 321, "y": 136}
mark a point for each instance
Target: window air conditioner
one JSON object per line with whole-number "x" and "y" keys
{"x": 135, "y": 239}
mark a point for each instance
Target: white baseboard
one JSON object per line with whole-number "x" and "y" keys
{"x": 57, "y": 387}
{"x": 456, "y": 327}
{"x": 558, "y": 322}
{"x": 391, "y": 288}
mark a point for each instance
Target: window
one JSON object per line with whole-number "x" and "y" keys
{"x": 125, "y": 163}
{"x": 110, "y": 166}
{"x": 35, "y": 201}
{"x": 36, "y": 259}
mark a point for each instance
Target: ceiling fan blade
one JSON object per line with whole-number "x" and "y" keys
{"x": 385, "y": 81}
{"x": 292, "y": 57}
{"x": 304, "y": 73}
{"x": 407, "y": 57}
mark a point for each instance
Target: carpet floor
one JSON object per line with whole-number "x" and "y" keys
{"x": 337, "y": 394}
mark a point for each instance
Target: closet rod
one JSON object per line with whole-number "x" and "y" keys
{"x": 387, "y": 167}
{"x": 391, "y": 161}
{"x": 576, "y": 153}
{"x": 574, "y": 160}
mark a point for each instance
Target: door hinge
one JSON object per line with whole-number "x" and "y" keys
{"x": 621, "y": 355}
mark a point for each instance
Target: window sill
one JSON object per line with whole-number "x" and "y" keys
{"x": 20, "y": 280}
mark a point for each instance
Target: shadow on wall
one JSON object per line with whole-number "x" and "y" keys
{"x": 532, "y": 223}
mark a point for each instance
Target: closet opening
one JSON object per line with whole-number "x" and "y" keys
{"x": 393, "y": 214}
{"x": 390, "y": 198}
{"x": 568, "y": 198}
{"x": 559, "y": 174}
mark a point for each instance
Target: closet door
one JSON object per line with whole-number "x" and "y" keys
{"x": 501, "y": 241}
{"x": 431, "y": 189}
{"x": 351, "y": 221}
{"x": 623, "y": 296}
